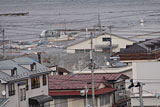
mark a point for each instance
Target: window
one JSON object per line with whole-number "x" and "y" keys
{"x": 27, "y": 86}
{"x": 44, "y": 80}
{"x": 82, "y": 50}
{"x": 11, "y": 89}
{"x": 104, "y": 99}
{"x": 21, "y": 93}
{"x": 35, "y": 82}
{"x": 60, "y": 73}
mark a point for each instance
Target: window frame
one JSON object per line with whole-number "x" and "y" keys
{"x": 35, "y": 82}
{"x": 44, "y": 79}
{"x": 11, "y": 89}
{"x": 27, "y": 85}
{"x": 105, "y": 99}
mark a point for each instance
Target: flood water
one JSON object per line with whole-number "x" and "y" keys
{"x": 123, "y": 15}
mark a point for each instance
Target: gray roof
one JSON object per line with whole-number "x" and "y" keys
{"x": 143, "y": 46}
{"x": 22, "y": 72}
{"x": 3, "y": 101}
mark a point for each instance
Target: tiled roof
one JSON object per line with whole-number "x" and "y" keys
{"x": 79, "y": 81}
{"x": 77, "y": 93}
{"x": 142, "y": 46}
{"x": 143, "y": 50}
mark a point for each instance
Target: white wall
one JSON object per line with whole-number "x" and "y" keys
{"x": 146, "y": 101}
{"x": 148, "y": 73}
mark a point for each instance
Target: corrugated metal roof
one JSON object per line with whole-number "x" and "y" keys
{"x": 79, "y": 81}
{"x": 22, "y": 72}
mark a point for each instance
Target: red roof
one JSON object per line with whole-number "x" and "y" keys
{"x": 73, "y": 93}
{"x": 66, "y": 82}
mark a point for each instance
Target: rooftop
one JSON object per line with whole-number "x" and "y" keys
{"x": 75, "y": 82}
{"x": 22, "y": 72}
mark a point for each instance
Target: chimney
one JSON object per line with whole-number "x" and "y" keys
{"x": 39, "y": 57}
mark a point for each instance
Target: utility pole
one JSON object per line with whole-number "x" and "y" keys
{"x": 92, "y": 71}
{"x": 140, "y": 93}
{"x": 4, "y": 55}
{"x": 139, "y": 84}
{"x": 86, "y": 90}
{"x": 65, "y": 26}
{"x": 3, "y": 42}
{"x": 99, "y": 23}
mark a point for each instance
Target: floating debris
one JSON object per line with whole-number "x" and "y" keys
{"x": 15, "y": 14}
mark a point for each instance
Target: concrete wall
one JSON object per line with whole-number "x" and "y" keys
{"x": 148, "y": 73}
{"x": 75, "y": 102}
{"x": 149, "y": 102}
{"x": 98, "y": 41}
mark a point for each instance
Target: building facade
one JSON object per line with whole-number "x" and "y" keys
{"x": 24, "y": 83}
{"x": 146, "y": 73}
{"x": 70, "y": 90}
{"x": 100, "y": 44}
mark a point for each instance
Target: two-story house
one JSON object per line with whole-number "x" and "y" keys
{"x": 67, "y": 90}
{"x": 24, "y": 83}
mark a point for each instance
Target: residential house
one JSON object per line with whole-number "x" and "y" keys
{"x": 24, "y": 83}
{"x": 143, "y": 50}
{"x": 144, "y": 60}
{"x": 101, "y": 43}
{"x": 69, "y": 90}
{"x": 59, "y": 70}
